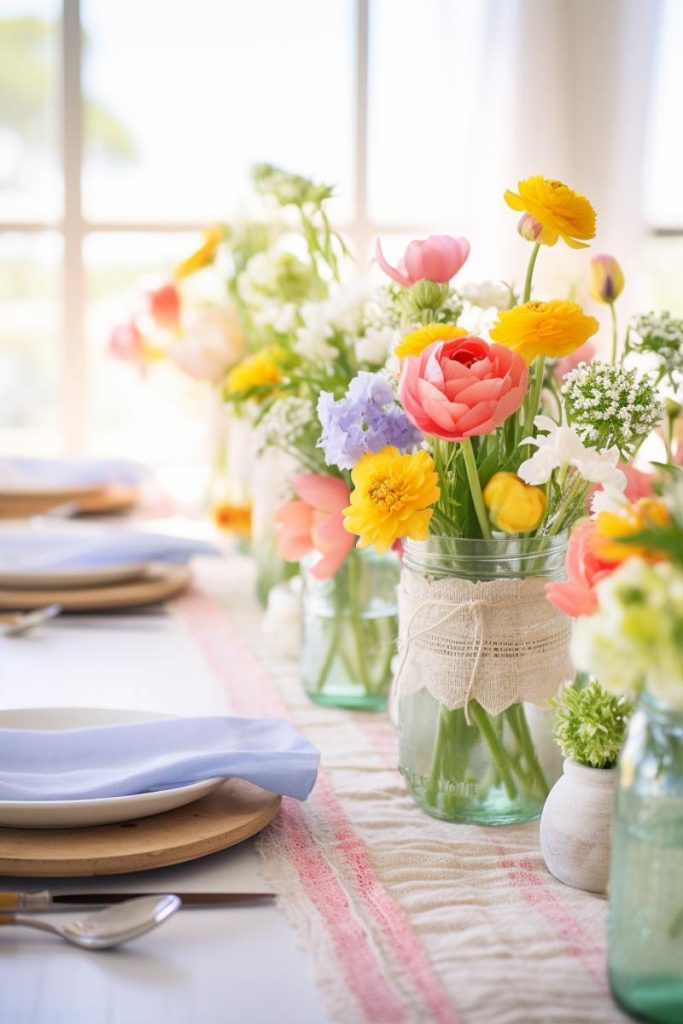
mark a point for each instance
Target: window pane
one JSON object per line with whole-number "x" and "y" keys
{"x": 30, "y": 330}
{"x": 664, "y": 203}
{"x": 161, "y": 417}
{"x": 190, "y": 95}
{"x": 420, "y": 108}
{"x": 663, "y": 262}
{"x": 30, "y": 177}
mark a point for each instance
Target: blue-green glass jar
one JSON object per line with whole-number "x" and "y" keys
{"x": 645, "y": 935}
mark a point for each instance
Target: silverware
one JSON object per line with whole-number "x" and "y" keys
{"x": 20, "y": 622}
{"x": 106, "y": 928}
{"x": 37, "y": 901}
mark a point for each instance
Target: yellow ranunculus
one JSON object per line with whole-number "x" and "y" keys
{"x": 392, "y": 497}
{"x": 415, "y": 342}
{"x": 261, "y": 370}
{"x": 515, "y": 507}
{"x": 607, "y": 279}
{"x": 610, "y": 527}
{"x": 204, "y": 255}
{"x": 552, "y": 329}
{"x": 563, "y": 212}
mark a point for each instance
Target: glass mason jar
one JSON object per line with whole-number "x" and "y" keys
{"x": 470, "y": 765}
{"x": 272, "y": 472}
{"x": 645, "y": 930}
{"x": 349, "y": 631}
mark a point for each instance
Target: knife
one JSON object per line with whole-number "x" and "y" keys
{"x": 34, "y": 901}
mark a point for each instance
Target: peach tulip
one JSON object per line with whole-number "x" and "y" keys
{"x": 127, "y": 344}
{"x": 437, "y": 258}
{"x": 163, "y": 305}
{"x": 577, "y": 595}
{"x": 314, "y": 522}
{"x": 462, "y": 388}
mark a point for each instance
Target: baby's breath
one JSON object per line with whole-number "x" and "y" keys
{"x": 661, "y": 335}
{"x": 610, "y": 405}
{"x": 286, "y": 422}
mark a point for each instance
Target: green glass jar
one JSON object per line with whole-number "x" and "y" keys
{"x": 470, "y": 765}
{"x": 645, "y": 932}
{"x": 272, "y": 473}
{"x": 349, "y": 631}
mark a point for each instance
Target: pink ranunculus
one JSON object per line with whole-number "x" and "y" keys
{"x": 577, "y": 595}
{"x": 163, "y": 305}
{"x": 437, "y": 258}
{"x": 127, "y": 344}
{"x": 462, "y": 388}
{"x": 584, "y": 354}
{"x": 315, "y": 523}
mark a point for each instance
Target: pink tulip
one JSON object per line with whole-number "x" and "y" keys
{"x": 437, "y": 258}
{"x": 638, "y": 483}
{"x": 584, "y": 354}
{"x": 462, "y": 388}
{"x": 127, "y": 344}
{"x": 163, "y": 305}
{"x": 315, "y": 523}
{"x": 577, "y": 596}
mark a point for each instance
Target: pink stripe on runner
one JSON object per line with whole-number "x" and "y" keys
{"x": 253, "y": 693}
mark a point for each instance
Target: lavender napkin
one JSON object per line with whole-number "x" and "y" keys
{"x": 120, "y": 760}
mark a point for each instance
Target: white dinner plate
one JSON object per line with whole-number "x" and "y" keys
{"x": 80, "y": 813}
{"x": 71, "y": 579}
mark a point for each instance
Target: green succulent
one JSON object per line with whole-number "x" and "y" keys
{"x": 590, "y": 725}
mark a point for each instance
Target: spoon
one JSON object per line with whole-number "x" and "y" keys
{"x": 15, "y": 625}
{"x": 109, "y": 927}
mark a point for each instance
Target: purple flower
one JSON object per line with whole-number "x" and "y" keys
{"x": 365, "y": 420}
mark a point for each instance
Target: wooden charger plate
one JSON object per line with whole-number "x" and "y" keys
{"x": 227, "y": 816}
{"x": 162, "y": 582}
{"x": 101, "y": 500}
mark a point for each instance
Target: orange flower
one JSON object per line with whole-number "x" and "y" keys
{"x": 236, "y": 518}
{"x": 561, "y": 211}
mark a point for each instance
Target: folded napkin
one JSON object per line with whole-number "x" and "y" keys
{"x": 18, "y": 474}
{"x": 76, "y": 546}
{"x": 119, "y": 760}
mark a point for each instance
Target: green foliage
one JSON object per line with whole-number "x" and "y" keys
{"x": 590, "y": 725}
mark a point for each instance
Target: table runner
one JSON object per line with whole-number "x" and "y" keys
{"x": 407, "y": 919}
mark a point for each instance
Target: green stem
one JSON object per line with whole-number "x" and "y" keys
{"x": 615, "y": 333}
{"x": 475, "y": 487}
{"x": 534, "y": 397}
{"x": 334, "y": 639}
{"x": 530, "y": 272}
{"x": 529, "y": 750}
{"x": 496, "y": 748}
{"x": 355, "y": 617}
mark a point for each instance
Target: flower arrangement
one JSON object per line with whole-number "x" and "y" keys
{"x": 590, "y": 725}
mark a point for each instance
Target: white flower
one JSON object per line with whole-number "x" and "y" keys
{"x": 312, "y": 337}
{"x": 608, "y": 499}
{"x": 487, "y": 294}
{"x": 562, "y": 447}
{"x": 285, "y": 422}
{"x": 375, "y": 345}
{"x": 212, "y": 342}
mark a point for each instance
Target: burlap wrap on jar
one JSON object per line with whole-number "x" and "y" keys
{"x": 498, "y": 642}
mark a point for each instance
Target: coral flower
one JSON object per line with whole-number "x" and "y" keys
{"x": 392, "y": 497}
{"x": 260, "y": 371}
{"x": 127, "y": 343}
{"x": 515, "y": 507}
{"x": 163, "y": 305}
{"x": 552, "y": 329}
{"x": 315, "y": 523}
{"x": 585, "y": 569}
{"x": 462, "y": 388}
{"x": 607, "y": 279}
{"x": 611, "y": 528}
{"x": 437, "y": 258}
{"x": 202, "y": 256}
{"x": 415, "y": 342}
{"x": 562, "y": 212}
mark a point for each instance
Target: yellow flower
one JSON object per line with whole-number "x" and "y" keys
{"x": 236, "y": 518}
{"x": 258, "y": 371}
{"x": 204, "y": 255}
{"x": 610, "y": 526}
{"x": 418, "y": 340}
{"x": 391, "y": 497}
{"x": 515, "y": 507}
{"x": 607, "y": 279}
{"x": 552, "y": 329}
{"x": 562, "y": 212}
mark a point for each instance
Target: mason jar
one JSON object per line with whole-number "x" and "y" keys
{"x": 464, "y": 762}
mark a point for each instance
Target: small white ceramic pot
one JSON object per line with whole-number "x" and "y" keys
{"x": 576, "y": 826}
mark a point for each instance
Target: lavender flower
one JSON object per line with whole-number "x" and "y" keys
{"x": 365, "y": 420}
